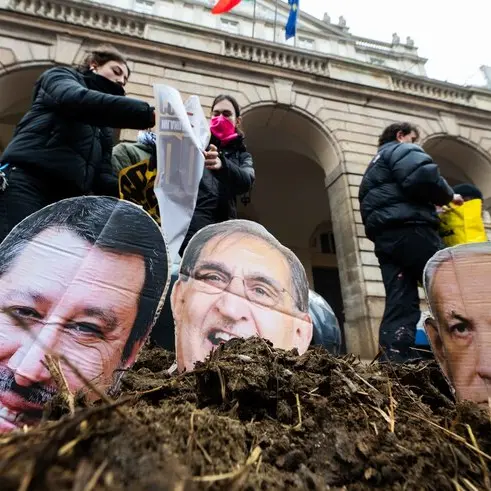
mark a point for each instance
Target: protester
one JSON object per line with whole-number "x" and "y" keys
{"x": 139, "y": 162}
{"x": 62, "y": 146}
{"x": 228, "y": 172}
{"x": 397, "y": 195}
{"x": 463, "y": 224}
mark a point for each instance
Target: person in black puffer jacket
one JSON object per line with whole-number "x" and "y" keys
{"x": 62, "y": 146}
{"x": 397, "y": 195}
{"x": 228, "y": 172}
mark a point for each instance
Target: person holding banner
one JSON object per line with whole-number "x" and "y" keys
{"x": 62, "y": 146}
{"x": 229, "y": 170}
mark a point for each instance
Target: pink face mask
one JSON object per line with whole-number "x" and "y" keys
{"x": 223, "y": 129}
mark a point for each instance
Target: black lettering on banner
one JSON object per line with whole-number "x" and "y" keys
{"x": 166, "y": 108}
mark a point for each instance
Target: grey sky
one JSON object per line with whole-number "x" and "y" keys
{"x": 454, "y": 40}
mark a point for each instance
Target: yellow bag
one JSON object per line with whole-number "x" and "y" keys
{"x": 463, "y": 224}
{"x": 136, "y": 184}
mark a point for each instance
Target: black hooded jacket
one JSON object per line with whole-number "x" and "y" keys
{"x": 401, "y": 186}
{"x": 66, "y": 136}
{"x": 219, "y": 189}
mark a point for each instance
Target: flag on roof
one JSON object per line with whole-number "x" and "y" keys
{"x": 291, "y": 25}
{"x": 223, "y": 6}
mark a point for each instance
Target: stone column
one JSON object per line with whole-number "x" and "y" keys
{"x": 358, "y": 328}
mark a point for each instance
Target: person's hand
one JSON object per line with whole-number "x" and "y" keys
{"x": 457, "y": 200}
{"x": 212, "y": 160}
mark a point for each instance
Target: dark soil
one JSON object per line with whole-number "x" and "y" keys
{"x": 256, "y": 418}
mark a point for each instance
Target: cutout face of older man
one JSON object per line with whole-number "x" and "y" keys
{"x": 237, "y": 280}
{"x": 458, "y": 287}
{"x": 77, "y": 280}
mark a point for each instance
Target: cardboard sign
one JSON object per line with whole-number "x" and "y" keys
{"x": 81, "y": 284}
{"x": 457, "y": 283}
{"x": 237, "y": 280}
{"x": 182, "y": 135}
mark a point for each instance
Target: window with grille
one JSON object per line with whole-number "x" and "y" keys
{"x": 327, "y": 244}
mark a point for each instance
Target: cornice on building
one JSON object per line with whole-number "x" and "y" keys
{"x": 191, "y": 41}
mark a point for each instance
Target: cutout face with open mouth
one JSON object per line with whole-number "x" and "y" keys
{"x": 237, "y": 283}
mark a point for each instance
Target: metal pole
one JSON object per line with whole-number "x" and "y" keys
{"x": 296, "y": 27}
{"x": 254, "y": 20}
{"x": 275, "y": 20}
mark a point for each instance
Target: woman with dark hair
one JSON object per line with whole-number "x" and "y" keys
{"x": 228, "y": 172}
{"x": 62, "y": 146}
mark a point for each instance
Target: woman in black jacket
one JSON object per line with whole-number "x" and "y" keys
{"x": 228, "y": 172}
{"x": 62, "y": 146}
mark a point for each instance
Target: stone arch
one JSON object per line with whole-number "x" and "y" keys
{"x": 328, "y": 150}
{"x": 21, "y": 63}
{"x": 293, "y": 153}
{"x": 461, "y": 160}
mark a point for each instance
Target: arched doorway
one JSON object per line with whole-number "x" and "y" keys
{"x": 292, "y": 156}
{"x": 16, "y": 88}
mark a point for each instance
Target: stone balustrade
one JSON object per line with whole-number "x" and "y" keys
{"x": 82, "y": 14}
{"x": 271, "y": 55}
{"x": 433, "y": 90}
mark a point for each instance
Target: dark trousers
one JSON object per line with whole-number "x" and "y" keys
{"x": 403, "y": 254}
{"x": 24, "y": 195}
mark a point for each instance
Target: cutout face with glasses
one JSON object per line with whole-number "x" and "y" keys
{"x": 238, "y": 285}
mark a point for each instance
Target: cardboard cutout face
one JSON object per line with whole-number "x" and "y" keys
{"x": 457, "y": 283}
{"x": 82, "y": 281}
{"x": 237, "y": 280}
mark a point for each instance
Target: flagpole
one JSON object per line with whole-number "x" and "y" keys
{"x": 296, "y": 28}
{"x": 254, "y": 21}
{"x": 275, "y": 20}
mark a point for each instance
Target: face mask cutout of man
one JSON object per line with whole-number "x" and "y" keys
{"x": 237, "y": 280}
{"x": 82, "y": 279}
{"x": 457, "y": 283}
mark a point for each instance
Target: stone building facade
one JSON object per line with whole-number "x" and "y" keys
{"x": 312, "y": 113}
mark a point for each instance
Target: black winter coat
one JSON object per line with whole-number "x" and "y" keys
{"x": 401, "y": 186}
{"x": 218, "y": 189}
{"x": 66, "y": 136}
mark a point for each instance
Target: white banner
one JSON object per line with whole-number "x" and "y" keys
{"x": 182, "y": 136}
